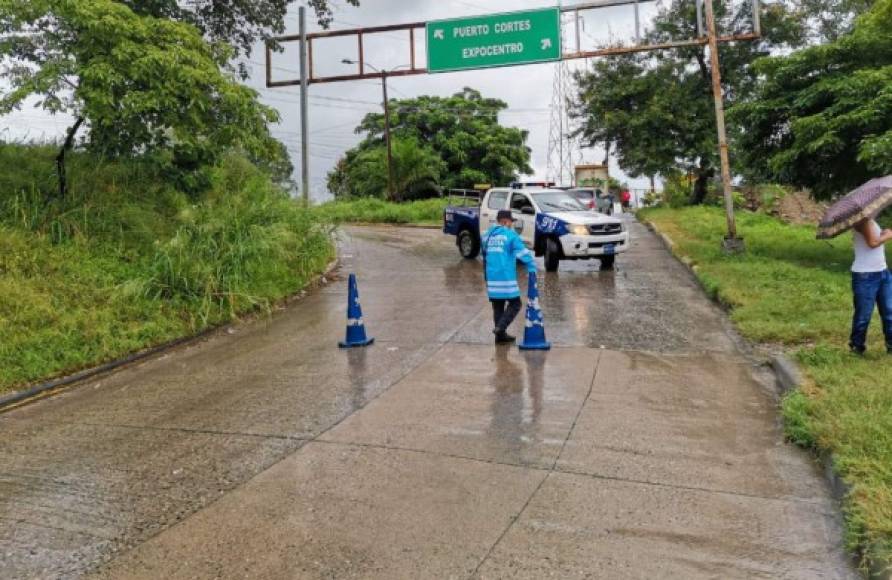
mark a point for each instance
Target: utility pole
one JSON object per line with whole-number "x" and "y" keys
{"x": 304, "y": 109}
{"x": 731, "y": 243}
{"x": 387, "y": 138}
{"x": 391, "y": 190}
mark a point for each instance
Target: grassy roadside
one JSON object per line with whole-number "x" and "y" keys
{"x": 793, "y": 291}
{"x": 126, "y": 262}
{"x": 376, "y": 211}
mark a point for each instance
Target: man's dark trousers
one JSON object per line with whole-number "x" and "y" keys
{"x": 504, "y": 311}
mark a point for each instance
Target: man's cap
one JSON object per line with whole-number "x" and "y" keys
{"x": 504, "y": 214}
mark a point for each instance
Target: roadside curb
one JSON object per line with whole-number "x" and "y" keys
{"x": 53, "y": 387}
{"x": 789, "y": 378}
{"x": 788, "y": 375}
{"x": 392, "y": 225}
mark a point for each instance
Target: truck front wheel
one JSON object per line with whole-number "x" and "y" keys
{"x": 552, "y": 255}
{"x": 468, "y": 244}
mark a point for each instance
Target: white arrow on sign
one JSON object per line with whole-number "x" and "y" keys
{"x": 439, "y": 35}
{"x": 546, "y": 43}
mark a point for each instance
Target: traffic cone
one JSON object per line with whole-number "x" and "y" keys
{"x": 355, "y": 326}
{"x": 534, "y": 327}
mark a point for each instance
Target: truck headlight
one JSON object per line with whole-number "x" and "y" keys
{"x": 578, "y": 229}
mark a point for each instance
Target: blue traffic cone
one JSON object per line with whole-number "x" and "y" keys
{"x": 355, "y": 326}
{"x": 534, "y": 327}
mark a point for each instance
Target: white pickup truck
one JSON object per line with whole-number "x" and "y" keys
{"x": 550, "y": 221}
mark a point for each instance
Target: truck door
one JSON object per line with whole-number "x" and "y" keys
{"x": 495, "y": 201}
{"x": 524, "y": 221}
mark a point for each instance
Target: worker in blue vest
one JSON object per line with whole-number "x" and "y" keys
{"x": 502, "y": 248}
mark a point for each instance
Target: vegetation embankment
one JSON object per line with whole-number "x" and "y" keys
{"x": 127, "y": 261}
{"x": 793, "y": 291}
{"x": 376, "y": 211}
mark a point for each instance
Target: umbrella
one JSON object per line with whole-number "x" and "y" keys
{"x": 863, "y": 203}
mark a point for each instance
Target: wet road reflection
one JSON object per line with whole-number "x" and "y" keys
{"x": 650, "y": 302}
{"x": 517, "y": 399}
{"x": 357, "y": 371}
{"x": 535, "y": 362}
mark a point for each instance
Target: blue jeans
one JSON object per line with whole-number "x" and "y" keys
{"x": 869, "y": 288}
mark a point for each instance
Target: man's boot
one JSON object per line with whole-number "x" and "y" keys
{"x": 503, "y": 337}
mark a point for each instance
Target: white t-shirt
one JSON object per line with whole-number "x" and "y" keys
{"x": 869, "y": 259}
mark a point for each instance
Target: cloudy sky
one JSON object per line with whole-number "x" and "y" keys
{"x": 336, "y": 109}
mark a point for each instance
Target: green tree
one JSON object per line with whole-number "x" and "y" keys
{"x": 416, "y": 171}
{"x": 239, "y": 23}
{"x": 655, "y": 110}
{"x": 822, "y": 118}
{"x": 830, "y": 19}
{"x": 463, "y": 130}
{"x": 140, "y": 84}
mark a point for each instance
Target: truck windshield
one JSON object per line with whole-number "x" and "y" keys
{"x": 558, "y": 201}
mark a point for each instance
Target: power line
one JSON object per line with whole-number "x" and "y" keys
{"x": 343, "y": 103}
{"x": 472, "y": 5}
{"x": 332, "y": 128}
{"x": 384, "y": 34}
{"x": 343, "y": 100}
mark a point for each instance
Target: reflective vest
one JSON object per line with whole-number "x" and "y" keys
{"x": 502, "y": 247}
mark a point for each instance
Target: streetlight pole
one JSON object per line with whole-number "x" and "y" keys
{"x": 304, "y": 108}
{"x": 387, "y": 137}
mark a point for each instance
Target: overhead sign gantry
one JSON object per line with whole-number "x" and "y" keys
{"x": 508, "y": 39}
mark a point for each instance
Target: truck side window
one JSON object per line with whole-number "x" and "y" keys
{"x": 497, "y": 200}
{"x": 520, "y": 201}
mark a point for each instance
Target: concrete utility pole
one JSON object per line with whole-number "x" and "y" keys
{"x": 391, "y": 190}
{"x": 387, "y": 138}
{"x": 304, "y": 109}
{"x": 731, "y": 243}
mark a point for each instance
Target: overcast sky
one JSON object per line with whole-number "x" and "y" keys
{"x": 336, "y": 109}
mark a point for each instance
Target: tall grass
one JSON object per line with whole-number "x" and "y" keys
{"x": 371, "y": 210}
{"x": 126, "y": 261}
{"x": 239, "y": 249}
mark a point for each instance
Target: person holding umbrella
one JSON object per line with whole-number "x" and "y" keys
{"x": 871, "y": 278}
{"x": 871, "y": 283}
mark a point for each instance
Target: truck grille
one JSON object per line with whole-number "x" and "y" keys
{"x": 605, "y": 229}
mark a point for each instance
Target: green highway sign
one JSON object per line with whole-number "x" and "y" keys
{"x": 494, "y": 40}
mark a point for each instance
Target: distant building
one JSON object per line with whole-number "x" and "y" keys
{"x": 592, "y": 175}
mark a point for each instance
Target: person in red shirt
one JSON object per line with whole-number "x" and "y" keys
{"x": 625, "y": 198}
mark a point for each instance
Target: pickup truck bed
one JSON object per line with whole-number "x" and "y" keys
{"x": 463, "y": 222}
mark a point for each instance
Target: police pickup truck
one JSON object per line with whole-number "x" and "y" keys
{"x": 551, "y": 222}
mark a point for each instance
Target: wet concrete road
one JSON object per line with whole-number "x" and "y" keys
{"x": 641, "y": 446}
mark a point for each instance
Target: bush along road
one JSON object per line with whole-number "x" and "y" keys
{"x": 127, "y": 261}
